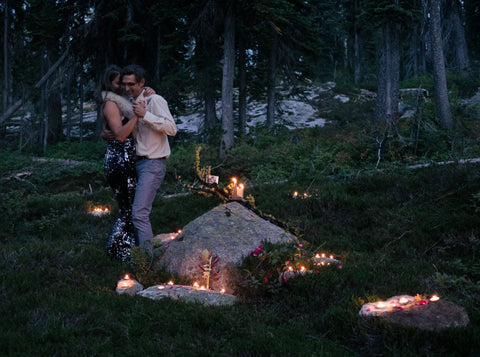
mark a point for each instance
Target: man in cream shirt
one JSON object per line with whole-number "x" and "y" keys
{"x": 153, "y": 150}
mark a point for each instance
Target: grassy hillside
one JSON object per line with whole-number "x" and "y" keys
{"x": 396, "y": 230}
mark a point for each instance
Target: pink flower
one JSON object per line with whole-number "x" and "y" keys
{"x": 340, "y": 267}
{"x": 258, "y": 250}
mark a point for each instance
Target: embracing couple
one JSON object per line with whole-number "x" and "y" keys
{"x": 137, "y": 152}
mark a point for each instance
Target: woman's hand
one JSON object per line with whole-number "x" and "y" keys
{"x": 148, "y": 91}
{"x": 139, "y": 108}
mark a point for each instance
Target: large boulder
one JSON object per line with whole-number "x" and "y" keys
{"x": 229, "y": 231}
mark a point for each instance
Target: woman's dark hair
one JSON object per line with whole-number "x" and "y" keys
{"x": 105, "y": 83}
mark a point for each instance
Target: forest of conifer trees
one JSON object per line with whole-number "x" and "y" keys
{"x": 53, "y": 52}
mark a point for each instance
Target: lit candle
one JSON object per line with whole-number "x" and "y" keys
{"x": 234, "y": 191}
{"x": 434, "y": 298}
{"x": 403, "y": 301}
{"x": 317, "y": 255}
{"x": 380, "y": 305}
{"x": 295, "y": 194}
{"x": 240, "y": 190}
{"x": 222, "y": 291}
{"x": 170, "y": 282}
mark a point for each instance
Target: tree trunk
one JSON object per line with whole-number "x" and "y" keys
{"x": 439, "y": 78}
{"x": 242, "y": 88}
{"x": 356, "y": 50}
{"x": 80, "y": 112}
{"x": 460, "y": 43}
{"x": 389, "y": 76}
{"x": 210, "y": 111}
{"x": 54, "y": 103}
{"x": 68, "y": 98}
{"x": 5, "y": 57}
{"x": 271, "y": 97}
{"x": 227, "y": 81}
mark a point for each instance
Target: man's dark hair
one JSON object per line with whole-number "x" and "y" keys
{"x": 136, "y": 70}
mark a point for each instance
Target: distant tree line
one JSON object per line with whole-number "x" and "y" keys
{"x": 53, "y": 50}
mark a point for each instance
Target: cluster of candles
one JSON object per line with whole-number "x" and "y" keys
{"x": 175, "y": 234}
{"x": 196, "y": 286}
{"x": 238, "y": 189}
{"x": 395, "y": 303}
{"x": 305, "y": 195}
{"x": 127, "y": 283}
{"x": 99, "y": 210}
{"x": 318, "y": 259}
{"x": 402, "y": 301}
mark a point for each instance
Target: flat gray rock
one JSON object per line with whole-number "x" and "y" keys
{"x": 188, "y": 294}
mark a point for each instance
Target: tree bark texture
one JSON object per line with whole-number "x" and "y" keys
{"x": 439, "y": 77}
{"x": 460, "y": 43}
{"x": 272, "y": 76}
{"x": 389, "y": 76}
{"x": 227, "y": 80}
{"x": 242, "y": 88}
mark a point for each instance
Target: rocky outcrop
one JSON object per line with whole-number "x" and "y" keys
{"x": 229, "y": 231}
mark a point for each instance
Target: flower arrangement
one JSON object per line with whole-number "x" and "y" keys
{"x": 263, "y": 268}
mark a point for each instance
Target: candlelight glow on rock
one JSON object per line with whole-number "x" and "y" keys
{"x": 395, "y": 303}
{"x": 128, "y": 285}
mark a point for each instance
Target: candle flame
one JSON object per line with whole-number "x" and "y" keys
{"x": 434, "y": 298}
{"x": 323, "y": 255}
{"x": 234, "y": 180}
{"x": 241, "y": 186}
{"x": 126, "y": 277}
{"x": 317, "y": 255}
{"x": 380, "y": 304}
{"x": 170, "y": 282}
{"x": 403, "y": 300}
{"x": 331, "y": 257}
{"x": 196, "y": 285}
{"x": 222, "y": 291}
